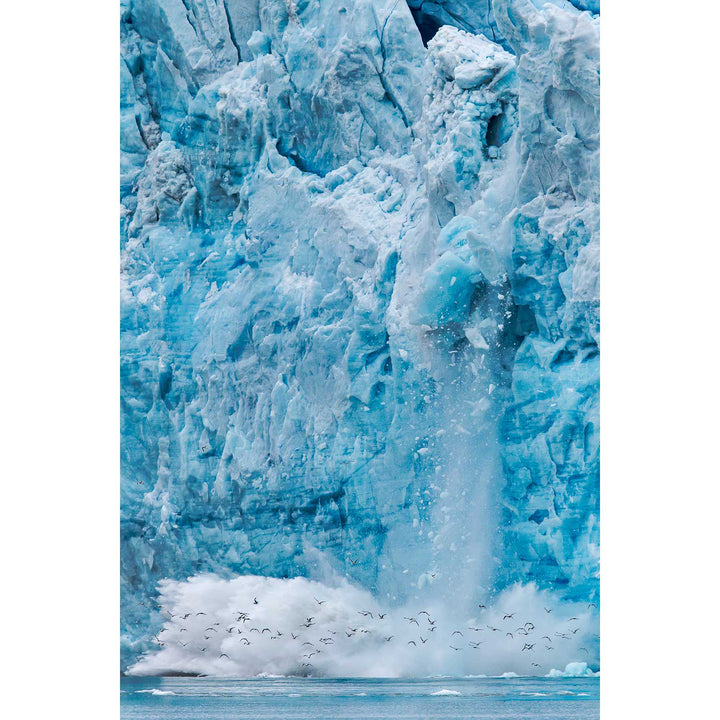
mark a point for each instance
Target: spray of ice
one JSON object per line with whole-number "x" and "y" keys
{"x": 254, "y": 625}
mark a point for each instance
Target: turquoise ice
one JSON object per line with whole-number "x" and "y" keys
{"x": 360, "y": 284}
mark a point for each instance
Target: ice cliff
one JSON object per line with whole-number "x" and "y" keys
{"x": 360, "y": 320}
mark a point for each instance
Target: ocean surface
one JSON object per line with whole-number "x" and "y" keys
{"x": 310, "y": 699}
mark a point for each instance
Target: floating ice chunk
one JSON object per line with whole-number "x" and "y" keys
{"x": 573, "y": 669}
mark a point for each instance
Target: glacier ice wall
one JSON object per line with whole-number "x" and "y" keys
{"x": 359, "y": 313}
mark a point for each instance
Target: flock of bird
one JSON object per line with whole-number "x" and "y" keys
{"x": 523, "y": 635}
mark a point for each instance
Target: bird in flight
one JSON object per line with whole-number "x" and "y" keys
{"x": 508, "y": 616}
{"x": 320, "y": 602}
{"x": 547, "y": 610}
{"x": 255, "y": 601}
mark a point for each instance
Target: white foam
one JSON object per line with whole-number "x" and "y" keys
{"x": 446, "y": 692}
{"x": 155, "y": 691}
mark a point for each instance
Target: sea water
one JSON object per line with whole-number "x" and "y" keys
{"x": 188, "y": 698}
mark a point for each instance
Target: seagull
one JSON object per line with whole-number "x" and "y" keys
{"x": 320, "y": 602}
{"x": 482, "y": 607}
{"x": 200, "y": 613}
{"x": 412, "y": 620}
{"x": 457, "y": 632}
{"x": 510, "y": 634}
{"x": 494, "y": 629}
{"x": 424, "y": 640}
{"x": 255, "y": 601}
{"x": 592, "y": 605}
{"x": 412, "y": 642}
{"x": 546, "y": 610}
{"x": 365, "y": 613}
{"x": 381, "y": 616}
{"x": 586, "y": 650}
{"x": 453, "y": 647}
{"x": 388, "y": 639}
{"x": 224, "y": 655}
{"x": 527, "y": 646}
{"x": 508, "y": 616}
{"x": 354, "y": 562}
{"x": 535, "y": 665}
{"x": 246, "y": 641}
{"x": 294, "y": 637}
{"x": 424, "y": 612}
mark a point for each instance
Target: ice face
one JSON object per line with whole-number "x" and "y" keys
{"x": 359, "y": 297}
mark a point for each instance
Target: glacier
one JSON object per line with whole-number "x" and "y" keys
{"x": 359, "y": 305}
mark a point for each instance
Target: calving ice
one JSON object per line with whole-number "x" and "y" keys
{"x": 359, "y": 340}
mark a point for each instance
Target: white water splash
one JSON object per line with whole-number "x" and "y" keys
{"x": 254, "y": 625}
